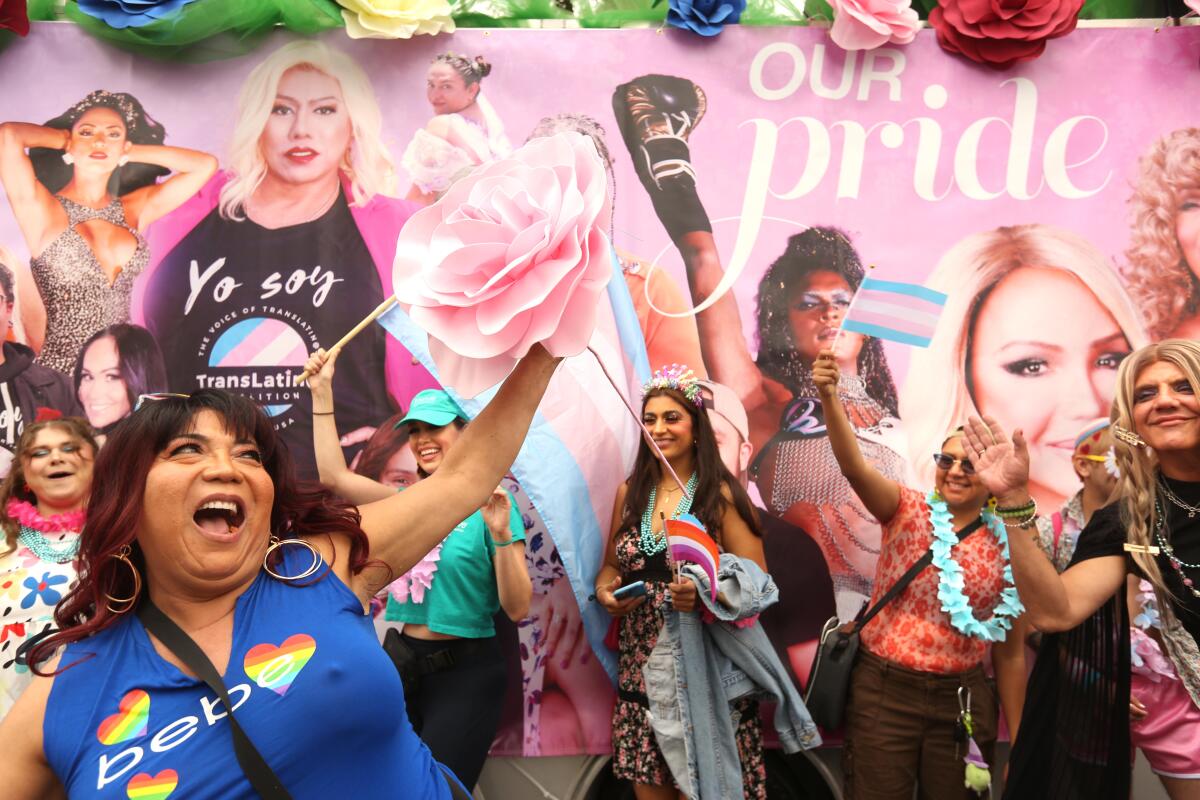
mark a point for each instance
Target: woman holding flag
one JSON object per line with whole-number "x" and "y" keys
{"x": 448, "y": 599}
{"x": 637, "y": 553}
{"x": 919, "y": 701}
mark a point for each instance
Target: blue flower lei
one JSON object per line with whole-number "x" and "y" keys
{"x": 950, "y": 577}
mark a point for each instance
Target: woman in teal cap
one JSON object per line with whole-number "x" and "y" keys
{"x": 456, "y": 673}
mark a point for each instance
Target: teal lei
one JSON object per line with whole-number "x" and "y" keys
{"x": 950, "y": 577}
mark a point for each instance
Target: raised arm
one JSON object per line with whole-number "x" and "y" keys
{"x": 191, "y": 170}
{"x": 722, "y": 342}
{"x": 879, "y": 494}
{"x": 1053, "y": 602}
{"x": 331, "y": 462}
{"x": 30, "y": 200}
{"x": 504, "y": 524}
{"x": 405, "y": 527}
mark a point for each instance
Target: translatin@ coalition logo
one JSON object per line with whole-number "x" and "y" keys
{"x": 260, "y": 356}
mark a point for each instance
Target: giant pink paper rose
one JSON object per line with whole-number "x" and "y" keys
{"x": 1001, "y": 33}
{"x": 513, "y": 254}
{"x": 867, "y": 24}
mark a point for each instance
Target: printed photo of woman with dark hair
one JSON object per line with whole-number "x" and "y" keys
{"x": 802, "y": 298}
{"x": 287, "y": 250}
{"x": 1163, "y": 258}
{"x": 84, "y": 187}
{"x": 115, "y": 367}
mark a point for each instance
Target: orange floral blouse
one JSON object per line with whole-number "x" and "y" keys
{"x": 912, "y": 630}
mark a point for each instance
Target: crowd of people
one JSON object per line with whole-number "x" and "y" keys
{"x": 175, "y": 565}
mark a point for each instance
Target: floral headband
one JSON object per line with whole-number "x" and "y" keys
{"x": 677, "y": 377}
{"x": 118, "y": 101}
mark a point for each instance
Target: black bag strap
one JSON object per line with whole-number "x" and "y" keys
{"x": 264, "y": 780}
{"x": 913, "y": 571}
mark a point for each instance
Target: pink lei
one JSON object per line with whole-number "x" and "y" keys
{"x": 27, "y": 514}
{"x": 417, "y": 580}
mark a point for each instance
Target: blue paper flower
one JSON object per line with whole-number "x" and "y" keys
{"x": 705, "y": 17}
{"x": 130, "y": 13}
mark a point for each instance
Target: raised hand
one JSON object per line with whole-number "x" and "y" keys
{"x": 1001, "y": 463}
{"x": 825, "y": 373}
{"x": 496, "y": 514}
{"x": 320, "y": 367}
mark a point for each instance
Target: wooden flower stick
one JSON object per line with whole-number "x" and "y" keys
{"x": 379, "y": 311}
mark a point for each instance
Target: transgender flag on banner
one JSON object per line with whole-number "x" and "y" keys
{"x": 899, "y": 312}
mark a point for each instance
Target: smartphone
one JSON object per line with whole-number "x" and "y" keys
{"x": 637, "y": 589}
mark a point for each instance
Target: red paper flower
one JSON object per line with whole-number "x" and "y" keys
{"x": 1000, "y": 33}
{"x": 14, "y": 16}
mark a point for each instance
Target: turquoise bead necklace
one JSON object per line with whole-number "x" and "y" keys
{"x": 651, "y": 543}
{"x": 41, "y": 547}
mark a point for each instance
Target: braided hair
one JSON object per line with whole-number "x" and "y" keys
{"x": 470, "y": 70}
{"x": 823, "y": 249}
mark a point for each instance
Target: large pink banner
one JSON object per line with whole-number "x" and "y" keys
{"x": 1054, "y": 203}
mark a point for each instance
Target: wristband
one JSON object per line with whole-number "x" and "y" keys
{"x": 503, "y": 544}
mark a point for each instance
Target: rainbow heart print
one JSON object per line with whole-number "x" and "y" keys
{"x": 274, "y": 667}
{"x": 145, "y": 786}
{"x": 130, "y": 721}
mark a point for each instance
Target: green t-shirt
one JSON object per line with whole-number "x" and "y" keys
{"x": 462, "y": 599}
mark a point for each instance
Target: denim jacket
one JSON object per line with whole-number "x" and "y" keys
{"x": 696, "y": 670}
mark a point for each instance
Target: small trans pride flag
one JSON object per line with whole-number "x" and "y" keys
{"x": 899, "y": 312}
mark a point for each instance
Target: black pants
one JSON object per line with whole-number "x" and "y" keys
{"x": 456, "y": 711}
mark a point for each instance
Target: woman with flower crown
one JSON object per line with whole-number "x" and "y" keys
{"x": 674, "y": 417}
{"x": 84, "y": 188}
{"x": 41, "y": 513}
{"x": 919, "y": 701}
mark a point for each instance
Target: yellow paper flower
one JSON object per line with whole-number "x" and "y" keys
{"x": 395, "y": 19}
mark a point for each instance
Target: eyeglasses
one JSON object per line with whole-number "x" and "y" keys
{"x": 945, "y": 462}
{"x": 142, "y": 399}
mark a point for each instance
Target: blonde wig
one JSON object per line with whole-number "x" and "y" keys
{"x": 1138, "y": 484}
{"x": 366, "y": 164}
{"x": 1160, "y": 280}
{"x": 936, "y": 391}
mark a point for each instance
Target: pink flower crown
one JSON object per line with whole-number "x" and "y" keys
{"x": 677, "y": 377}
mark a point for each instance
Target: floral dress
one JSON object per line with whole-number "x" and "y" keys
{"x": 30, "y": 588}
{"x": 636, "y": 756}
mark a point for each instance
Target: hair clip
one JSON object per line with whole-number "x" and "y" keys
{"x": 677, "y": 377}
{"x": 1127, "y": 436}
{"x": 1148, "y": 549}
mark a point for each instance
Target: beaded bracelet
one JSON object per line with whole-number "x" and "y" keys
{"x": 1029, "y": 508}
{"x": 1012, "y": 522}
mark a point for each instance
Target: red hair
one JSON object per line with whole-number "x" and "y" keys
{"x": 118, "y": 498}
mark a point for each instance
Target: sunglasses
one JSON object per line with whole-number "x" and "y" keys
{"x": 944, "y": 461}
{"x": 142, "y": 399}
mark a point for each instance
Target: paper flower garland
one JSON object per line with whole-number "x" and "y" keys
{"x": 395, "y": 19}
{"x": 705, "y": 17}
{"x": 1000, "y": 34}
{"x": 130, "y": 13}
{"x": 867, "y": 24}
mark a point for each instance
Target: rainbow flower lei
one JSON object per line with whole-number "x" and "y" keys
{"x": 950, "y": 577}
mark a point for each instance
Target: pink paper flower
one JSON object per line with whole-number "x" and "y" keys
{"x": 867, "y": 24}
{"x": 417, "y": 580}
{"x": 513, "y": 254}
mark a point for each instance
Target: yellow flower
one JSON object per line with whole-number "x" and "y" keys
{"x": 395, "y": 19}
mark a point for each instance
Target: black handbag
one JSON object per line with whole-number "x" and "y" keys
{"x": 829, "y": 679}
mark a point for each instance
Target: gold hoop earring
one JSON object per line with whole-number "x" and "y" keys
{"x": 1127, "y": 436}
{"x": 276, "y": 543}
{"x": 129, "y": 602}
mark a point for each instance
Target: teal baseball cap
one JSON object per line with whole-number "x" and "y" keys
{"x": 433, "y": 407}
